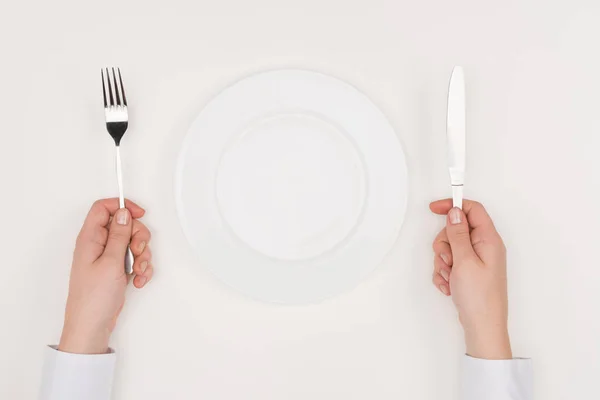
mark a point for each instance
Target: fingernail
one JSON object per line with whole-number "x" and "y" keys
{"x": 143, "y": 281}
{"x": 444, "y": 289}
{"x": 143, "y": 266}
{"x": 454, "y": 215}
{"x": 444, "y": 274}
{"x": 142, "y": 246}
{"x": 122, "y": 216}
{"x": 445, "y": 258}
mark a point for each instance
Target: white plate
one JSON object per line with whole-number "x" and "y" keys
{"x": 291, "y": 186}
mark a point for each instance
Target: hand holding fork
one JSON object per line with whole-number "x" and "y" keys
{"x": 115, "y": 111}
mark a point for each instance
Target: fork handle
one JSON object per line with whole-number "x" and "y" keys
{"x": 128, "y": 255}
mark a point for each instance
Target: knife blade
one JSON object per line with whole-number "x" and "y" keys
{"x": 456, "y": 134}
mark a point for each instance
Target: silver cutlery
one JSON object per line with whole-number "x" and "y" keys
{"x": 115, "y": 112}
{"x": 456, "y": 133}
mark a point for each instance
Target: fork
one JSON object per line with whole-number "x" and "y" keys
{"x": 115, "y": 112}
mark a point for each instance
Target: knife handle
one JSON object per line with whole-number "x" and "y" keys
{"x": 457, "y": 196}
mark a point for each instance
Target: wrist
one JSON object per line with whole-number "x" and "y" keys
{"x": 79, "y": 340}
{"x": 489, "y": 343}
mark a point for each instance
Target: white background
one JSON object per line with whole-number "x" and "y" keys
{"x": 533, "y": 79}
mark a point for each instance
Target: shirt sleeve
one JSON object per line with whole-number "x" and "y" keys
{"x": 69, "y": 376}
{"x": 496, "y": 379}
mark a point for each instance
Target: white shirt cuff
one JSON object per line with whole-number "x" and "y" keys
{"x": 69, "y": 376}
{"x": 496, "y": 379}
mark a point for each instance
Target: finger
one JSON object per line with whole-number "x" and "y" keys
{"x": 476, "y": 214}
{"x": 119, "y": 235}
{"x": 441, "y": 207}
{"x": 441, "y": 284}
{"x": 441, "y": 247}
{"x": 141, "y": 280}
{"x": 459, "y": 236}
{"x": 142, "y": 261}
{"x": 140, "y": 237}
{"x": 442, "y": 236}
{"x": 440, "y": 267}
{"x": 444, "y": 254}
{"x": 149, "y": 272}
{"x": 94, "y": 233}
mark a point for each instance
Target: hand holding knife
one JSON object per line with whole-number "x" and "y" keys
{"x": 456, "y": 133}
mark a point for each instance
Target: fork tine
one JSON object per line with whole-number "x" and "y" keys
{"x": 117, "y": 94}
{"x": 110, "y": 94}
{"x": 122, "y": 88}
{"x": 103, "y": 87}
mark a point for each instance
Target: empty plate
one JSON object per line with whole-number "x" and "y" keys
{"x": 291, "y": 186}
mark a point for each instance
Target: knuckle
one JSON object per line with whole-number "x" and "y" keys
{"x": 440, "y": 263}
{"x": 146, "y": 254}
{"x": 95, "y": 207}
{"x": 142, "y": 231}
{"x": 462, "y": 234}
{"x": 440, "y": 247}
{"x": 97, "y": 203}
{"x": 97, "y": 237}
{"x": 477, "y": 204}
{"x": 436, "y": 265}
{"x": 482, "y": 209}
{"x": 440, "y": 240}
{"x": 115, "y": 235}
{"x": 137, "y": 268}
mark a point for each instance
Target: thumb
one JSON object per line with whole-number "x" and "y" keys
{"x": 119, "y": 235}
{"x": 457, "y": 229}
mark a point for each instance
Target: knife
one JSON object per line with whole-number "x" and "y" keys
{"x": 456, "y": 133}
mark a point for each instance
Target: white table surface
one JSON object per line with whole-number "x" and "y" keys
{"x": 534, "y": 131}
